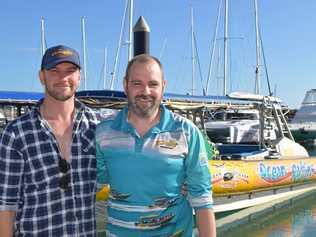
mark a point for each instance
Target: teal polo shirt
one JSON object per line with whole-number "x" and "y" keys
{"x": 146, "y": 175}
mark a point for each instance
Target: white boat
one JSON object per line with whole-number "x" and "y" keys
{"x": 259, "y": 131}
{"x": 2, "y": 121}
{"x": 229, "y": 126}
{"x": 15, "y": 103}
{"x": 303, "y": 125}
{"x": 234, "y": 126}
{"x": 240, "y": 126}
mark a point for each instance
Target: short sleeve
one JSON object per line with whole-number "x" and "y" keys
{"x": 198, "y": 178}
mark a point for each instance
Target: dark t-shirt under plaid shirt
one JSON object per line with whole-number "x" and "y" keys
{"x": 30, "y": 175}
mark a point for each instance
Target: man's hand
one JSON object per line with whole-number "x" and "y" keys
{"x": 103, "y": 194}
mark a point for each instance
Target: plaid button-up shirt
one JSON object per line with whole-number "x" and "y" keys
{"x": 29, "y": 176}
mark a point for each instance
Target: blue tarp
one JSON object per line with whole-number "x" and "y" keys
{"x": 167, "y": 96}
{"x": 119, "y": 95}
{"x": 20, "y": 96}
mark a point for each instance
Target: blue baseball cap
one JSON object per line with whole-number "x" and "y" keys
{"x": 59, "y": 54}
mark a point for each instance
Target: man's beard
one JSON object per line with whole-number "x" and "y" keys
{"x": 59, "y": 96}
{"x": 135, "y": 104}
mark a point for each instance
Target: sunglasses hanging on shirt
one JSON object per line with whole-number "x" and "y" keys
{"x": 64, "y": 168}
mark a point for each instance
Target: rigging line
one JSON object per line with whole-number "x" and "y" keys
{"x": 103, "y": 73}
{"x": 162, "y": 51}
{"x": 265, "y": 64}
{"x": 178, "y": 76}
{"x": 213, "y": 47}
{"x": 218, "y": 69}
{"x": 198, "y": 61}
{"x": 229, "y": 66}
{"x": 100, "y": 78}
{"x": 119, "y": 46}
{"x": 180, "y": 70}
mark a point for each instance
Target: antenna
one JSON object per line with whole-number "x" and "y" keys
{"x": 257, "y": 71}
{"x": 225, "y": 48}
{"x": 130, "y": 30}
{"x": 43, "y": 41}
{"x": 192, "y": 49}
{"x": 84, "y": 52}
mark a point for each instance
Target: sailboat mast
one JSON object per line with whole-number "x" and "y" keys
{"x": 130, "y": 30}
{"x": 225, "y": 47}
{"x": 257, "y": 71}
{"x": 105, "y": 68}
{"x": 84, "y": 52}
{"x": 43, "y": 43}
{"x": 193, "y": 49}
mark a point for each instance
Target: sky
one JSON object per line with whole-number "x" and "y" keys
{"x": 287, "y": 27}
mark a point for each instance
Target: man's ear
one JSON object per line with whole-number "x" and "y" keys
{"x": 125, "y": 85}
{"x": 164, "y": 84}
{"x": 79, "y": 78}
{"x": 41, "y": 77}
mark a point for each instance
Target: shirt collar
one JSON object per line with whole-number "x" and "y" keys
{"x": 121, "y": 121}
{"x": 79, "y": 111}
{"x": 79, "y": 106}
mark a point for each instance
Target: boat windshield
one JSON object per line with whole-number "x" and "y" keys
{"x": 310, "y": 97}
{"x": 236, "y": 115}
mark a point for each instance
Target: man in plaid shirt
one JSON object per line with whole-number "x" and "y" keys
{"x": 47, "y": 158}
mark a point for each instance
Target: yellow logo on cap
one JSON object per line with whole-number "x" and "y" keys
{"x": 62, "y": 53}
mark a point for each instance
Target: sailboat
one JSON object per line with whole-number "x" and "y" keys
{"x": 238, "y": 126}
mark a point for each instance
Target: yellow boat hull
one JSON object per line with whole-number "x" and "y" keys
{"x": 238, "y": 177}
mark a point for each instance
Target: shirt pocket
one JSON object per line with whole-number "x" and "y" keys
{"x": 85, "y": 163}
{"x": 87, "y": 142}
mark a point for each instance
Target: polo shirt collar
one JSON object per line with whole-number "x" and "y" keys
{"x": 121, "y": 121}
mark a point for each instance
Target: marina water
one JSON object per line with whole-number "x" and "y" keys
{"x": 296, "y": 220}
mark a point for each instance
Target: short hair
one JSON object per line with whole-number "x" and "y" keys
{"x": 142, "y": 58}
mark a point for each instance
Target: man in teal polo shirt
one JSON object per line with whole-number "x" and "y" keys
{"x": 146, "y": 153}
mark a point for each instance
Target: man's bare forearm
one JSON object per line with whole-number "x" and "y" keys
{"x": 6, "y": 223}
{"x": 206, "y": 223}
